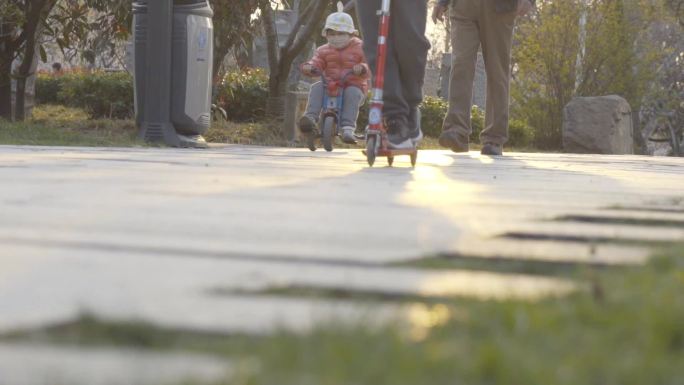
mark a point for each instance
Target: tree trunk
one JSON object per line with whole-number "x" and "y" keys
{"x": 20, "y": 103}
{"x": 32, "y": 29}
{"x": 25, "y": 72}
{"x": 5, "y": 89}
{"x": 280, "y": 60}
{"x": 275, "y": 102}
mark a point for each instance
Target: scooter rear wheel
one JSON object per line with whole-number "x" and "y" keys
{"x": 328, "y": 128}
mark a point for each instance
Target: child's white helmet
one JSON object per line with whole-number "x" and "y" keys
{"x": 340, "y": 21}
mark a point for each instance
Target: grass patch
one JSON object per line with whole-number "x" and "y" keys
{"x": 591, "y": 240}
{"x": 261, "y": 133}
{"x": 294, "y": 291}
{"x": 498, "y": 265}
{"x": 628, "y": 331}
{"x": 63, "y": 126}
{"x": 622, "y": 221}
{"x": 54, "y": 125}
{"x": 88, "y": 330}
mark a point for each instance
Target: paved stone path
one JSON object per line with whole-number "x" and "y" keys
{"x": 211, "y": 240}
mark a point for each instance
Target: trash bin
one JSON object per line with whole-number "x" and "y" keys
{"x": 191, "y": 64}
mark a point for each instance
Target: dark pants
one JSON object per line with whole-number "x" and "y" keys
{"x": 407, "y": 49}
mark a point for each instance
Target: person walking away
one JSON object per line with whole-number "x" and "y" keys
{"x": 487, "y": 24}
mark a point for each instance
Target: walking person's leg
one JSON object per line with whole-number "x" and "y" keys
{"x": 369, "y": 23}
{"x": 497, "y": 38}
{"x": 409, "y": 19}
{"x": 465, "y": 42}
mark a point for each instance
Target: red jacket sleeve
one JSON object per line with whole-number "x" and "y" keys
{"x": 367, "y": 72}
{"x": 317, "y": 61}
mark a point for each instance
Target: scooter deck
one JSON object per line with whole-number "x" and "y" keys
{"x": 390, "y": 154}
{"x": 395, "y": 152}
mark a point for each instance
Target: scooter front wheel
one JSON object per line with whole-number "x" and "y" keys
{"x": 327, "y": 129}
{"x": 371, "y": 149}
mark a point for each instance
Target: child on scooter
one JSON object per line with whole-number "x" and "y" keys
{"x": 341, "y": 56}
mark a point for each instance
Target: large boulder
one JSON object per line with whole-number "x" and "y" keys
{"x": 598, "y": 125}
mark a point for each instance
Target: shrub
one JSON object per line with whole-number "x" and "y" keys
{"x": 47, "y": 89}
{"x": 100, "y": 94}
{"x": 477, "y": 119}
{"x": 243, "y": 95}
{"x": 433, "y": 110}
{"x": 520, "y": 134}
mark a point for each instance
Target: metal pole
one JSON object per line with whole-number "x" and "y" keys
{"x": 156, "y": 126}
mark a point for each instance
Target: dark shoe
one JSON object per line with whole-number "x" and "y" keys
{"x": 454, "y": 140}
{"x": 306, "y": 124}
{"x": 492, "y": 149}
{"x": 398, "y": 134}
{"x": 415, "y": 132}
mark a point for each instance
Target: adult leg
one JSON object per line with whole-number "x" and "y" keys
{"x": 411, "y": 48}
{"x": 465, "y": 42}
{"x": 369, "y": 23}
{"x": 497, "y": 37}
{"x": 395, "y": 109}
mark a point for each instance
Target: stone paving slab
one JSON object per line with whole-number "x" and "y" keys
{"x": 272, "y": 201}
{"x": 100, "y": 221}
{"x": 29, "y": 364}
{"x": 209, "y": 294}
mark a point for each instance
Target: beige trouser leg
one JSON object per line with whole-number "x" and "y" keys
{"x": 475, "y": 24}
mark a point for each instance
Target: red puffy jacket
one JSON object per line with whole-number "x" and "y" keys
{"x": 335, "y": 63}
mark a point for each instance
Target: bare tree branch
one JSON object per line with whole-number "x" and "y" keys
{"x": 305, "y": 36}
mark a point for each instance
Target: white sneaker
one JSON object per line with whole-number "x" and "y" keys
{"x": 416, "y": 137}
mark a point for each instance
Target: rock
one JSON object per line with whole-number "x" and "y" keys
{"x": 598, "y": 125}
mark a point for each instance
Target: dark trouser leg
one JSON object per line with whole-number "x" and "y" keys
{"x": 411, "y": 49}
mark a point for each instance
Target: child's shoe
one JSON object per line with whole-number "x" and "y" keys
{"x": 348, "y": 135}
{"x": 306, "y": 125}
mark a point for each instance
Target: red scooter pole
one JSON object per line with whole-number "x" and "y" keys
{"x": 376, "y": 134}
{"x": 375, "y": 120}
